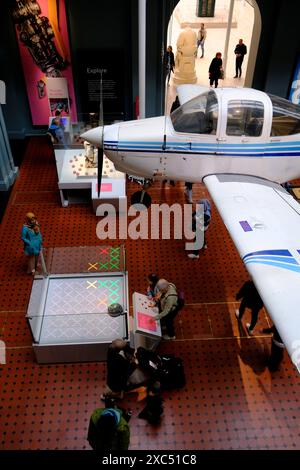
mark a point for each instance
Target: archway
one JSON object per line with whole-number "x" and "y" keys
{"x": 246, "y": 24}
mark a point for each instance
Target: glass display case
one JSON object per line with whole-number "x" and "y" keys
{"x": 76, "y": 163}
{"x": 68, "y": 311}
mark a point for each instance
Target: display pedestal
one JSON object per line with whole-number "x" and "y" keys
{"x": 146, "y": 330}
{"x": 73, "y": 176}
{"x": 112, "y": 192}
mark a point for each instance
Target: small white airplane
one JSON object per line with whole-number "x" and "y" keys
{"x": 241, "y": 143}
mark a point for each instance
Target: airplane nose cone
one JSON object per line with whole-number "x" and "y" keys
{"x": 93, "y": 136}
{"x": 112, "y": 133}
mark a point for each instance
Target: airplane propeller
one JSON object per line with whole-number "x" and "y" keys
{"x": 142, "y": 197}
{"x": 100, "y": 150}
{"x": 100, "y": 158}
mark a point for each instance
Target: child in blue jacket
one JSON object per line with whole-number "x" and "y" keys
{"x": 32, "y": 239}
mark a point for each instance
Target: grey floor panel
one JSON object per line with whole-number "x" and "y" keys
{"x": 81, "y": 328}
{"x": 70, "y": 296}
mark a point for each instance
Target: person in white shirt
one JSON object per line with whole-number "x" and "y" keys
{"x": 202, "y": 33}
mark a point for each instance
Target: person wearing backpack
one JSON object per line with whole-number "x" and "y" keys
{"x": 201, "y": 224}
{"x": 169, "y": 306}
{"x": 109, "y": 429}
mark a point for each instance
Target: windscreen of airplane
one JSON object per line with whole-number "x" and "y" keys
{"x": 245, "y": 117}
{"x": 197, "y": 116}
{"x": 286, "y": 117}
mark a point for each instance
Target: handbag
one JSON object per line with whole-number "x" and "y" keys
{"x": 221, "y": 74}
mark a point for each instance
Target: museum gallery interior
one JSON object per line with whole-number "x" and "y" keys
{"x": 77, "y": 251}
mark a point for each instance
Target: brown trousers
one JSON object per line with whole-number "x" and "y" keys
{"x": 32, "y": 263}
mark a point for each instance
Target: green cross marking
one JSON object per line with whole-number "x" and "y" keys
{"x": 115, "y": 257}
{"x": 103, "y": 265}
{"x": 113, "y": 288}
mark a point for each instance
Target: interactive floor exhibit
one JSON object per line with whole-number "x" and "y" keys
{"x": 68, "y": 309}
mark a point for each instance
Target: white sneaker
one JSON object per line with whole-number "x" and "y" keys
{"x": 191, "y": 255}
{"x": 167, "y": 337}
{"x": 250, "y": 332}
{"x": 237, "y": 314}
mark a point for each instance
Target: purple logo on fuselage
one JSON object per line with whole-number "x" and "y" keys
{"x": 245, "y": 226}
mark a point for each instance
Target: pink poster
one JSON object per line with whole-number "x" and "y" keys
{"x": 146, "y": 322}
{"x": 45, "y": 52}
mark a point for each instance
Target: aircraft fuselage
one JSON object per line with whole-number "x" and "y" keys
{"x": 171, "y": 146}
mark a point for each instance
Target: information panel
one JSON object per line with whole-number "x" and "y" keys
{"x": 109, "y": 64}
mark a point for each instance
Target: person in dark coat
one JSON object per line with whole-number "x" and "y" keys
{"x": 120, "y": 365}
{"x": 250, "y": 299}
{"x": 175, "y": 104}
{"x": 240, "y": 51}
{"x": 154, "y": 404}
{"x": 215, "y": 70}
{"x": 188, "y": 191}
{"x": 277, "y": 348}
{"x": 169, "y": 62}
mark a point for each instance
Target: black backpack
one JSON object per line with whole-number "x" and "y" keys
{"x": 166, "y": 368}
{"x": 180, "y": 300}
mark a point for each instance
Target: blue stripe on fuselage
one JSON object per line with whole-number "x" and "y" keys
{"x": 218, "y": 152}
{"x": 269, "y": 149}
{"x": 254, "y": 144}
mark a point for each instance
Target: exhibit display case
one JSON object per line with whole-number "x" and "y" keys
{"x": 76, "y": 163}
{"x": 68, "y": 312}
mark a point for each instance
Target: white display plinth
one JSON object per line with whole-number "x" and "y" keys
{"x": 146, "y": 330}
{"x": 68, "y": 315}
{"x": 73, "y": 175}
{"x": 112, "y": 192}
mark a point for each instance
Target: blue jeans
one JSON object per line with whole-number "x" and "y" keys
{"x": 201, "y": 43}
{"x": 60, "y": 135}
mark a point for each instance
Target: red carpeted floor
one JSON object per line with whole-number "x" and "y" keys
{"x": 230, "y": 401}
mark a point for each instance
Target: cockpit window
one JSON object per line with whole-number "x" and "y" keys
{"x": 245, "y": 117}
{"x": 197, "y": 116}
{"x": 286, "y": 117}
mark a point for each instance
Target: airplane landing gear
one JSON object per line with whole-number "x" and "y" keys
{"x": 142, "y": 197}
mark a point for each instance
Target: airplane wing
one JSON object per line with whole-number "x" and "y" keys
{"x": 187, "y": 92}
{"x": 264, "y": 223}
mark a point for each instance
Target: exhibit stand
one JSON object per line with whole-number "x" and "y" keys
{"x": 146, "y": 331}
{"x": 77, "y": 168}
{"x": 74, "y": 175}
{"x": 68, "y": 309}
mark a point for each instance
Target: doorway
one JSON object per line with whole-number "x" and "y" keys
{"x": 246, "y": 25}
